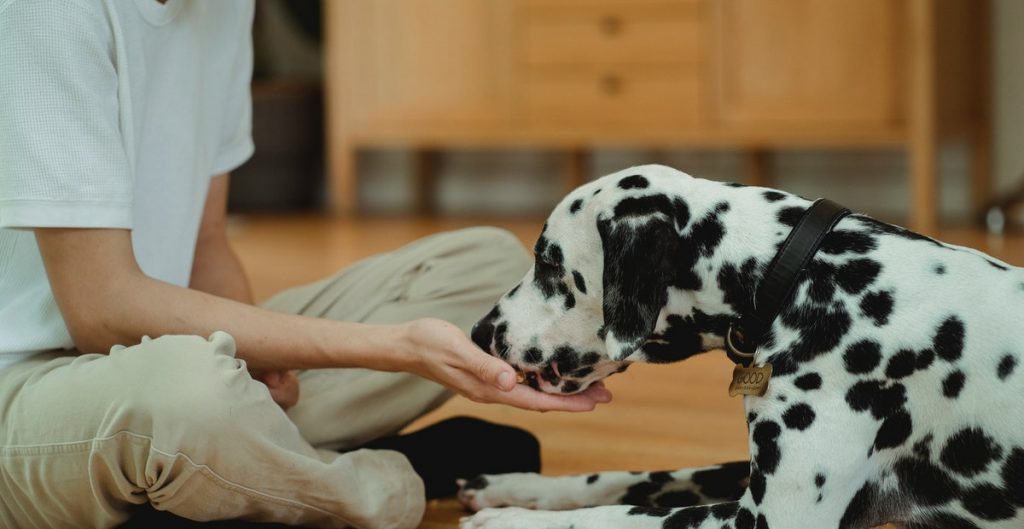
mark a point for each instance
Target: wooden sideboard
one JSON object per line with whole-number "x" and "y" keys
{"x": 575, "y": 75}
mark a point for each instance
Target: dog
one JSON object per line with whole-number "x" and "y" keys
{"x": 896, "y": 394}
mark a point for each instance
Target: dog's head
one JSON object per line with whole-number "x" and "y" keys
{"x": 607, "y": 262}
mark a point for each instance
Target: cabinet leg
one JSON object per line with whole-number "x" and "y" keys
{"x": 758, "y": 168}
{"x": 425, "y": 165}
{"x": 923, "y": 136}
{"x": 343, "y": 182}
{"x": 576, "y": 169}
{"x": 923, "y": 190}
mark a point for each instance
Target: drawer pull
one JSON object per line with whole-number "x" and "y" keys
{"x": 611, "y": 84}
{"x": 611, "y": 25}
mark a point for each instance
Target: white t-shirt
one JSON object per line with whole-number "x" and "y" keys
{"x": 113, "y": 114}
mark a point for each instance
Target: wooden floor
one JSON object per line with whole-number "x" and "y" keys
{"x": 662, "y": 418}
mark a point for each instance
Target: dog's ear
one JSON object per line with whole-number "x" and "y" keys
{"x": 638, "y": 268}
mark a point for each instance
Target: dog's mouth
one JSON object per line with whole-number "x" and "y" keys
{"x": 549, "y": 379}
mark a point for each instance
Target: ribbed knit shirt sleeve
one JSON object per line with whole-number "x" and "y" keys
{"x": 62, "y": 159}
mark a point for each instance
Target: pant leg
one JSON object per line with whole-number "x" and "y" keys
{"x": 177, "y": 421}
{"x": 456, "y": 276}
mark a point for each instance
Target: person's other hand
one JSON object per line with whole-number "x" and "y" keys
{"x": 283, "y": 386}
{"x": 441, "y": 352}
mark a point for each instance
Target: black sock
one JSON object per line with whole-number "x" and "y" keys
{"x": 463, "y": 447}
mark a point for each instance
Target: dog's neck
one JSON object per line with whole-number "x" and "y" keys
{"x": 752, "y": 231}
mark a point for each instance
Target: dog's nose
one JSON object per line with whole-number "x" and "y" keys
{"x": 483, "y": 334}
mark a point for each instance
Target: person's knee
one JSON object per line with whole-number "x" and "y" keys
{"x": 500, "y": 250}
{"x": 184, "y": 380}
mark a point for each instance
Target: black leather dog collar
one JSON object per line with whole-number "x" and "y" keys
{"x": 780, "y": 279}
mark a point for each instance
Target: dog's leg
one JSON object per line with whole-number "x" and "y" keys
{"x": 717, "y": 516}
{"x": 681, "y": 488}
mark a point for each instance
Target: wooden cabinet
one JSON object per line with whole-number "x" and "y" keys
{"x": 579, "y": 74}
{"x": 812, "y": 63}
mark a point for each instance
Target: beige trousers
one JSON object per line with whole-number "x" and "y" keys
{"x": 178, "y": 422}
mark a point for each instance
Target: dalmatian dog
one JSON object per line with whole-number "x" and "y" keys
{"x": 897, "y": 393}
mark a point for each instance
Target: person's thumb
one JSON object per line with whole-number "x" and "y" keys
{"x": 498, "y": 373}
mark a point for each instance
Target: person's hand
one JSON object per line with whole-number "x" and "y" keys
{"x": 441, "y": 352}
{"x": 283, "y": 386}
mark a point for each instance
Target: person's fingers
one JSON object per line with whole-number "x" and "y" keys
{"x": 493, "y": 370}
{"x": 598, "y": 392}
{"x": 528, "y": 398}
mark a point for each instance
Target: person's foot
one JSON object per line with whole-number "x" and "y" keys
{"x": 463, "y": 448}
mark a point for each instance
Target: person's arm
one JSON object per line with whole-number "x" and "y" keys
{"x": 216, "y": 269}
{"x": 106, "y": 299}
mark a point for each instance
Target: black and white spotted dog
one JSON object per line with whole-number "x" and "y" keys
{"x": 897, "y": 394}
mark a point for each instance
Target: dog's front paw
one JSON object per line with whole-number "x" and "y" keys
{"x": 516, "y": 518}
{"x": 528, "y": 490}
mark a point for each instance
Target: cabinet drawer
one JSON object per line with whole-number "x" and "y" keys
{"x": 613, "y": 34}
{"x": 647, "y": 96}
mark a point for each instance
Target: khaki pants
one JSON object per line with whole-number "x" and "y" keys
{"x": 177, "y": 421}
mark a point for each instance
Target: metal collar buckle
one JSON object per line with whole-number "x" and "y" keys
{"x": 733, "y": 339}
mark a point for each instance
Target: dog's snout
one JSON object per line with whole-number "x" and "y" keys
{"x": 482, "y": 335}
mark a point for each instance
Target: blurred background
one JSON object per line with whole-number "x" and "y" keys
{"x": 905, "y": 109}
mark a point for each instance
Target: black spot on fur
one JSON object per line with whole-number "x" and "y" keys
{"x": 500, "y": 341}
{"x": 570, "y": 386}
{"x": 567, "y": 358}
{"x": 1006, "y": 366}
{"x": 901, "y": 364}
{"x": 988, "y": 503}
{"x": 765, "y": 436}
{"x": 677, "y": 498}
{"x": 808, "y": 382}
{"x": 477, "y": 483}
{"x": 922, "y": 448}
{"x": 856, "y": 275}
{"x": 679, "y": 340}
{"x": 926, "y": 483}
{"x": 773, "y": 196}
{"x": 725, "y": 511}
{"x": 657, "y": 512}
{"x": 791, "y": 216}
{"x": 798, "y": 417}
{"x": 570, "y": 301}
{"x": 969, "y": 452}
{"x": 925, "y": 359}
{"x": 725, "y": 482}
{"x": 945, "y": 520}
{"x": 577, "y": 278}
{"x": 634, "y": 182}
{"x": 762, "y": 522}
{"x": 533, "y": 355}
{"x": 949, "y": 339}
{"x": 883, "y": 400}
{"x": 858, "y": 511}
{"x": 744, "y": 519}
{"x": 877, "y": 306}
{"x": 590, "y": 359}
{"x": 1013, "y": 476}
{"x": 819, "y": 480}
{"x": 953, "y": 384}
{"x": 687, "y": 518}
{"x": 862, "y": 357}
{"x": 596, "y": 191}
{"x": 757, "y": 486}
{"x": 845, "y": 241}
{"x": 939, "y": 269}
{"x": 821, "y": 328}
{"x": 737, "y": 285}
{"x": 591, "y": 479}
{"x": 895, "y": 430}
{"x": 576, "y": 205}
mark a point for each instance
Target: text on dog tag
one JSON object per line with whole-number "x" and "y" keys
{"x": 750, "y": 380}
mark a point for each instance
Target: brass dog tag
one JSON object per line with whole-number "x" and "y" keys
{"x": 750, "y": 380}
